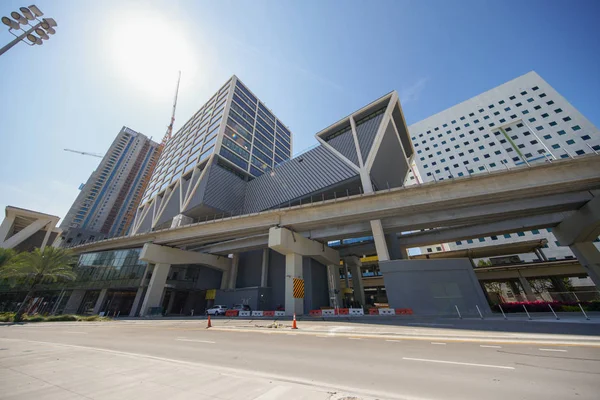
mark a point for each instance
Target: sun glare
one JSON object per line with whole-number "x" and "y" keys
{"x": 148, "y": 50}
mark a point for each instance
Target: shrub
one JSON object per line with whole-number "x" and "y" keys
{"x": 7, "y": 317}
{"x": 56, "y": 318}
{"x": 593, "y": 306}
{"x": 34, "y": 318}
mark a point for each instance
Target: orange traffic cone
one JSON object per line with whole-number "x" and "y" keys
{"x": 294, "y": 322}
{"x": 208, "y": 325}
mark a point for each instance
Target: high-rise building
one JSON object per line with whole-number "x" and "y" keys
{"x": 233, "y": 138}
{"x": 522, "y": 121}
{"x": 107, "y": 202}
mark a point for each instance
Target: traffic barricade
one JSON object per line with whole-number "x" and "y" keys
{"x": 328, "y": 313}
{"x": 387, "y": 311}
{"x": 257, "y": 313}
{"x": 280, "y": 313}
{"x": 268, "y": 313}
{"x": 231, "y": 313}
{"x": 373, "y": 311}
{"x": 315, "y": 313}
{"x": 244, "y": 313}
{"x": 356, "y": 311}
{"x": 343, "y": 311}
{"x": 404, "y": 311}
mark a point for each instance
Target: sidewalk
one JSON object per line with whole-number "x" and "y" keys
{"x": 63, "y": 372}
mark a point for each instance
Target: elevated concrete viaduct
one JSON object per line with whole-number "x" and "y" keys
{"x": 543, "y": 195}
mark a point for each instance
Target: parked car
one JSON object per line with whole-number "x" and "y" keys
{"x": 216, "y": 310}
{"x": 241, "y": 307}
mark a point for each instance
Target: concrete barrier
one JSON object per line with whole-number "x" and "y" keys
{"x": 387, "y": 311}
{"x": 328, "y": 313}
{"x": 268, "y": 313}
{"x": 231, "y": 313}
{"x": 356, "y": 311}
{"x": 404, "y": 311}
{"x": 343, "y": 311}
{"x": 244, "y": 313}
{"x": 373, "y": 311}
{"x": 315, "y": 313}
{"x": 280, "y": 313}
{"x": 257, "y": 313}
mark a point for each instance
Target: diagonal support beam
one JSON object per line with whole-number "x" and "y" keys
{"x": 581, "y": 227}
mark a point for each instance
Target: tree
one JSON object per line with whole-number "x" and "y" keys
{"x": 33, "y": 268}
{"x": 5, "y": 256}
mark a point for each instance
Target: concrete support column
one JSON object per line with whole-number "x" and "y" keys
{"x": 293, "y": 269}
{"x": 589, "y": 257}
{"x": 333, "y": 278}
{"x": 171, "y": 301}
{"x": 136, "y": 302}
{"x": 357, "y": 284}
{"x": 379, "y": 239}
{"x": 393, "y": 245}
{"x": 74, "y": 301}
{"x": 155, "y": 288}
{"x": 233, "y": 273}
{"x": 516, "y": 290}
{"x": 264, "y": 273}
{"x": 100, "y": 301}
{"x": 527, "y": 289}
{"x": 346, "y": 275}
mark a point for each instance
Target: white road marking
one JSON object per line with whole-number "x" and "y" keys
{"x": 324, "y": 336}
{"x": 491, "y": 347}
{"x": 390, "y": 340}
{"x": 195, "y": 340}
{"x": 355, "y": 338}
{"x": 81, "y": 333}
{"x": 292, "y": 334}
{"x": 438, "y": 343}
{"x": 457, "y": 363}
{"x": 561, "y": 350}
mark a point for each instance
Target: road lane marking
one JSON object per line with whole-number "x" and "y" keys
{"x": 81, "y": 333}
{"x": 491, "y": 347}
{"x": 292, "y": 334}
{"x": 390, "y": 340}
{"x": 195, "y": 340}
{"x": 457, "y": 363}
{"x": 438, "y": 343}
{"x": 355, "y": 338}
{"x": 561, "y": 350}
{"x": 324, "y": 336}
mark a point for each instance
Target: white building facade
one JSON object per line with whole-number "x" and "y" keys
{"x": 523, "y": 121}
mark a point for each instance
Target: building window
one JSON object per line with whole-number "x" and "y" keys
{"x": 576, "y": 127}
{"x": 556, "y": 146}
{"x": 482, "y": 239}
{"x": 512, "y": 97}
{"x": 561, "y": 132}
{"x": 586, "y": 137}
{"x": 523, "y": 93}
{"x": 539, "y": 128}
{"x": 570, "y": 142}
{"x": 507, "y": 236}
{"x": 520, "y": 233}
{"x": 567, "y": 119}
{"x": 552, "y": 123}
{"x": 548, "y": 137}
{"x": 530, "y": 100}
{"x": 543, "y": 95}
{"x": 458, "y": 243}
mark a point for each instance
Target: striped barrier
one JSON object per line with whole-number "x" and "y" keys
{"x": 328, "y": 313}
{"x": 356, "y": 311}
{"x": 404, "y": 311}
{"x": 387, "y": 311}
{"x": 342, "y": 311}
{"x": 373, "y": 311}
{"x": 231, "y": 313}
{"x": 244, "y": 313}
{"x": 280, "y": 313}
{"x": 268, "y": 313}
{"x": 315, "y": 313}
{"x": 257, "y": 313}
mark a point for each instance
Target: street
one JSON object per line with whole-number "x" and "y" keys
{"x": 170, "y": 359}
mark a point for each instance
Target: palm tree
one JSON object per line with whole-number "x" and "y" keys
{"x": 50, "y": 264}
{"x": 5, "y": 256}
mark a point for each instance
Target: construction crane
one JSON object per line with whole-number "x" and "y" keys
{"x": 131, "y": 213}
{"x": 85, "y": 153}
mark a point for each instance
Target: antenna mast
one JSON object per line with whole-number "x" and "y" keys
{"x": 170, "y": 127}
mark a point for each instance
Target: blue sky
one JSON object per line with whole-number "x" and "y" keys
{"x": 114, "y": 63}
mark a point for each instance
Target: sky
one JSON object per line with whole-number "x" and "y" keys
{"x": 114, "y": 63}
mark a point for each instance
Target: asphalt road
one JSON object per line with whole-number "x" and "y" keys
{"x": 368, "y": 367}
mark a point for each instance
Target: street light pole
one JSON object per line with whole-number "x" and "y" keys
{"x": 19, "y": 38}
{"x": 42, "y": 28}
